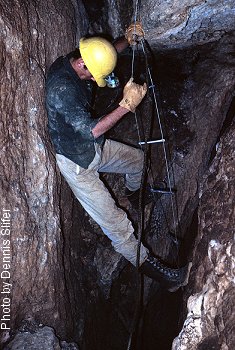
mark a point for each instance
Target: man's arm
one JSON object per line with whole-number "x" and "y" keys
{"x": 108, "y": 121}
{"x": 120, "y": 44}
{"x": 132, "y": 96}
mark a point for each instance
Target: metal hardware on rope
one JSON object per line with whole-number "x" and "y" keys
{"x": 154, "y": 141}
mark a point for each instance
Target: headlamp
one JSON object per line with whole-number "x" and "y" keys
{"x": 112, "y": 81}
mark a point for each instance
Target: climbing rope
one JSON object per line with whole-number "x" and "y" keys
{"x": 133, "y": 47}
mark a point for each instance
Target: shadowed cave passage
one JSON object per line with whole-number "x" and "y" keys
{"x": 69, "y": 289}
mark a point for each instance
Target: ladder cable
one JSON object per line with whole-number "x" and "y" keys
{"x": 162, "y": 136}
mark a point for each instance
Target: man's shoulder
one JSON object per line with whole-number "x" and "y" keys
{"x": 58, "y": 78}
{"x": 57, "y": 71}
{"x": 62, "y": 84}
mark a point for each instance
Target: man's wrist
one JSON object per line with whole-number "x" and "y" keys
{"x": 123, "y": 109}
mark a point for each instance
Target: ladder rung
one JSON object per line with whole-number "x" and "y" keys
{"x": 154, "y": 141}
{"x": 162, "y": 190}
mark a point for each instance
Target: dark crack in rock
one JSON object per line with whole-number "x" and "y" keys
{"x": 195, "y": 98}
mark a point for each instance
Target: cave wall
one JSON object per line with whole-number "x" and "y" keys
{"x": 183, "y": 23}
{"x": 209, "y": 323}
{"x": 33, "y": 35}
{"x": 167, "y": 24}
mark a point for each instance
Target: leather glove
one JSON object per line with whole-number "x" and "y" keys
{"x": 133, "y": 94}
{"x": 134, "y": 33}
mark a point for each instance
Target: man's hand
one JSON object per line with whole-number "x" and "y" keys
{"x": 133, "y": 94}
{"x": 134, "y": 33}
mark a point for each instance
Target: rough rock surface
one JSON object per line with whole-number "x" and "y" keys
{"x": 29, "y": 182}
{"x": 183, "y": 23}
{"x": 210, "y": 322}
{"x": 167, "y": 24}
{"x": 42, "y": 338}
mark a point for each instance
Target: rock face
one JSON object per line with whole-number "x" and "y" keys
{"x": 33, "y": 245}
{"x": 42, "y": 338}
{"x": 210, "y": 320}
{"x": 183, "y": 23}
{"x": 167, "y": 24}
{"x": 59, "y": 268}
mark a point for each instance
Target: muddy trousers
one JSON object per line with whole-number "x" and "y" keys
{"x": 95, "y": 198}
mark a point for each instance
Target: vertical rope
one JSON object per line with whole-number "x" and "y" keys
{"x": 138, "y": 129}
{"x": 132, "y": 61}
{"x": 140, "y": 214}
{"x": 133, "y": 47}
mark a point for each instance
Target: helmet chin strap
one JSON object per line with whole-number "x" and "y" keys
{"x": 112, "y": 81}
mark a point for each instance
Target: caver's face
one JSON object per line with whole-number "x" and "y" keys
{"x": 81, "y": 69}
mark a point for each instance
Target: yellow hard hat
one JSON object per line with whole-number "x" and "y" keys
{"x": 99, "y": 56}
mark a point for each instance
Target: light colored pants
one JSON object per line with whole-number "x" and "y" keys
{"x": 96, "y": 199}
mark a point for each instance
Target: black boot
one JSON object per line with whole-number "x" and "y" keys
{"x": 171, "y": 279}
{"x": 133, "y": 197}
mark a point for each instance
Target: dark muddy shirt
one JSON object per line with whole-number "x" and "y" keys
{"x": 68, "y": 103}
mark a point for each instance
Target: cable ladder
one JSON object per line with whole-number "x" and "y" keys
{"x": 170, "y": 191}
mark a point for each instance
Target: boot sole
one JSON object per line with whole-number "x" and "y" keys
{"x": 174, "y": 289}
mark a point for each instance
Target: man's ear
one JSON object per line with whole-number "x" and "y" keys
{"x": 80, "y": 63}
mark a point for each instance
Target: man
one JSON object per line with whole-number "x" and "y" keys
{"x": 82, "y": 152}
